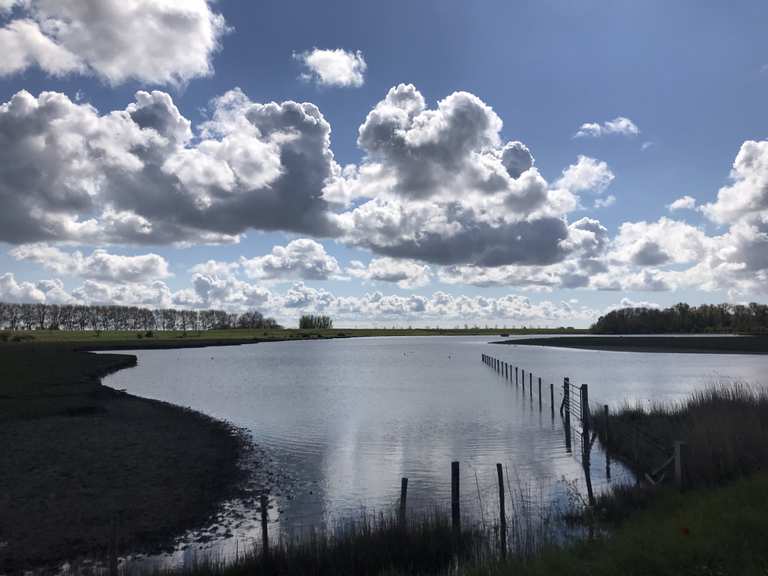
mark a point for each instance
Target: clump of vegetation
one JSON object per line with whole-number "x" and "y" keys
{"x": 683, "y": 318}
{"x": 369, "y": 545}
{"x": 724, "y": 427}
{"x": 315, "y": 322}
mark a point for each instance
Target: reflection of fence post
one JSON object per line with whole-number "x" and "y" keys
{"x": 502, "y": 513}
{"x": 403, "y": 498}
{"x": 264, "y": 525}
{"x": 681, "y": 465}
{"x": 455, "y": 512}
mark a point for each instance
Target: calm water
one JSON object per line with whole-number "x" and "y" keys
{"x": 341, "y": 421}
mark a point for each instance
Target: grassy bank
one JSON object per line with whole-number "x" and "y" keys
{"x": 701, "y": 532}
{"x": 724, "y": 427}
{"x": 678, "y": 344}
{"x": 77, "y": 457}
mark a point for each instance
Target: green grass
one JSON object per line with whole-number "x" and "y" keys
{"x": 703, "y": 532}
{"x": 726, "y": 428}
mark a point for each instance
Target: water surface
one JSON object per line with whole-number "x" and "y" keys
{"x": 342, "y": 421}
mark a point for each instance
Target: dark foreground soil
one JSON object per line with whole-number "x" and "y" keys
{"x": 78, "y": 459}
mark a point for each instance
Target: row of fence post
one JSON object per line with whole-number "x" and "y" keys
{"x": 680, "y": 454}
{"x": 456, "y": 506}
{"x": 506, "y": 370}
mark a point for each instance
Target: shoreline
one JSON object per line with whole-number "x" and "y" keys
{"x": 653, "y": 344}
{"x": 81, "y": 459}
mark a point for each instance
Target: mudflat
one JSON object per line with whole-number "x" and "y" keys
{"x": 79, "y": 459}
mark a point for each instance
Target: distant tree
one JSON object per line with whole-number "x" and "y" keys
{"x": 132, "y": 318}
{"x": 315, "y": 322}
{"x": 683, "y": 318}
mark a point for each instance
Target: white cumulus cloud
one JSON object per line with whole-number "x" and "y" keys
{"x": 167, "y": 42}
{"x": 336, "y": 67}
{"x": 620, "y": 125}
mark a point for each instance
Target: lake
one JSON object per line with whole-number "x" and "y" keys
{"x": 338, "y": 423}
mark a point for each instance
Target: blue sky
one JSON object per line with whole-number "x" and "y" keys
{"x": 691, "y": 79}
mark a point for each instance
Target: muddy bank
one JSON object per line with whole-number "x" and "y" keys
{"x": 78, "y": 457}
{"x": 657, "y": 344}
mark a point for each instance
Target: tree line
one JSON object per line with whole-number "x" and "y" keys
{"x": 130, "y": 318}
{"x": 683, "y": 318}
{"x": 315, "y": 322}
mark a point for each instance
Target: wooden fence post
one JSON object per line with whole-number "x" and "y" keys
{"x": 403, "y": 499}
{"x": 585, "y": 411}
{"x": 455, "y": 511}
{"x": 681, "y": 465}
{"x": 523, "y": 378}
{"x": 552, "y": 399}
{"x": 607, "y": 440}
{"x": 516, "y": 384}
{"x": 502, "y": 512}
{"x": 530, "y": 385}
{"x": 567, "y": 412}
{"x": 539, "y": 393}
{"x": 264, "y": 525}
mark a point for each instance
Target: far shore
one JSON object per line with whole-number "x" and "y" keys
{"x": 654, "y": 344}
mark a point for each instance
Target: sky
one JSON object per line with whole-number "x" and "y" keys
{"x": 398, "y": 163}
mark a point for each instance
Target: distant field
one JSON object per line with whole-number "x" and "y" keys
{"x": 677, "y": 344}
{"x": 140, "y": 339}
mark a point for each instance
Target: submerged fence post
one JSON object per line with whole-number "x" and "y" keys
{"x": 502, "y": 512}
{"x": 552, "y": 399}
{"x": 567, "y": 412}
{"x": 607, "y": 440}
{"x": 403, "y": 498}
{"x": 585, "y": 411}
{"x": 523, "y": 372}
{"x": 516, "y": 384}
{"x": 455, "y": 512}
{"x": 681, "y": 465}
{"x": 530, "y": 385}
{"x": 539, "y": 393}
{"x": 264, "y": 525}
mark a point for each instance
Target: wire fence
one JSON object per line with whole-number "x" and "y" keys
{"x": 585, "y": 419}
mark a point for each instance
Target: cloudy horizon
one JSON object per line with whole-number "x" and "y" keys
{"x": 187, "y": 154}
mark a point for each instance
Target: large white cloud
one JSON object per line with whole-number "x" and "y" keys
{"x": 439, "y": 185}
{"x": 165, "y": 42}
{"x": 140, "y": 176}
{"x": 303, "y": 258}
{"x": 336, "y": 67}
{"x": 406, "y": 273}
{"x": 99, "y": 265}
{"x": 11, "y": 290}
